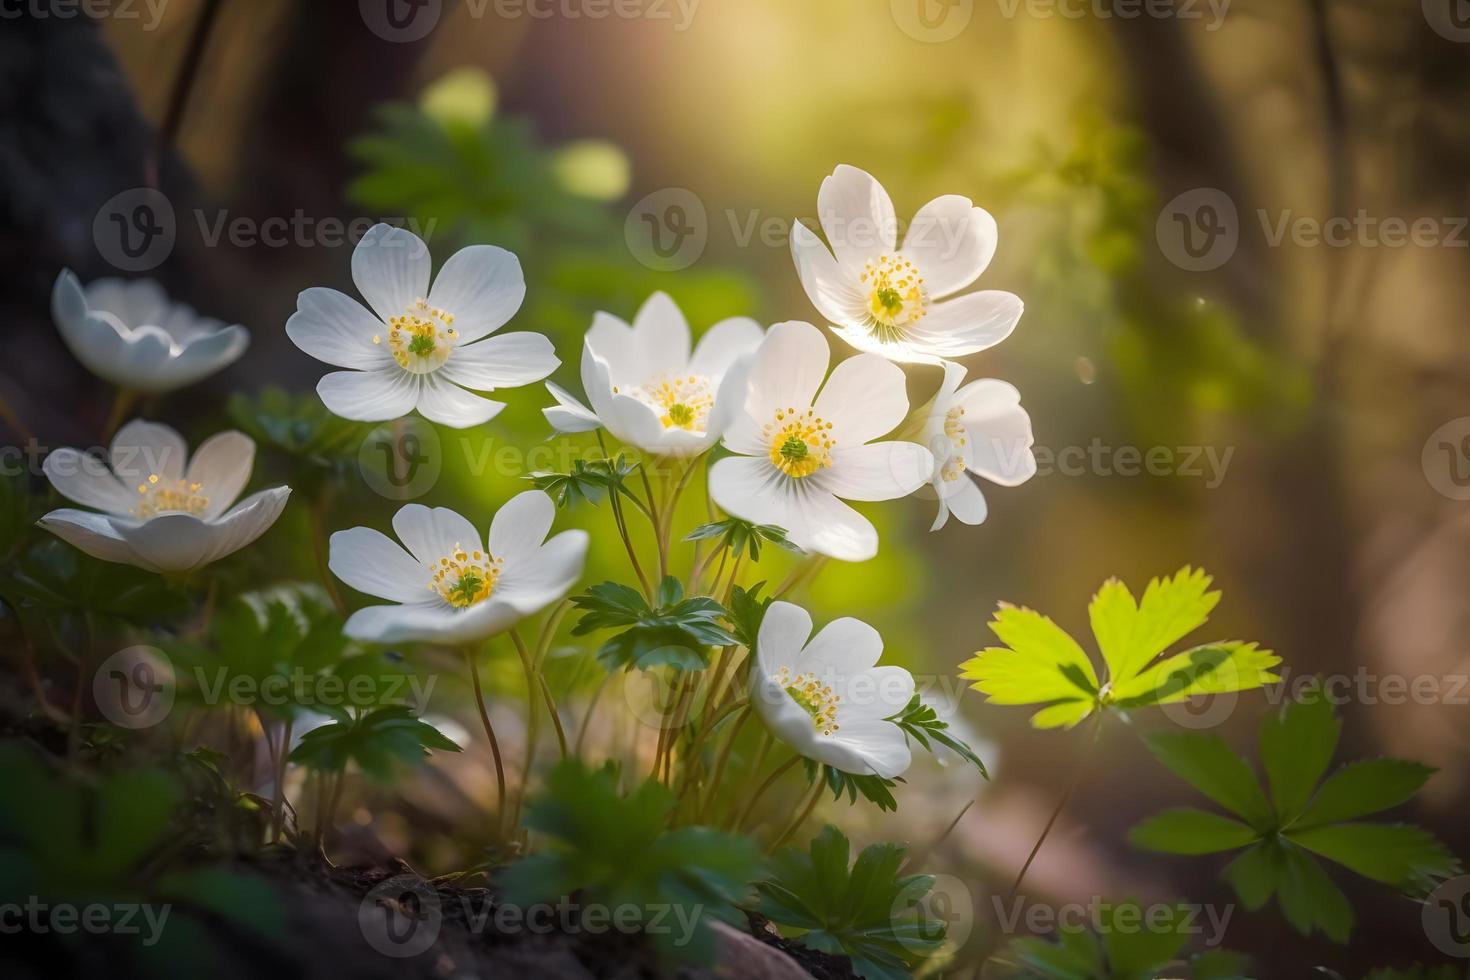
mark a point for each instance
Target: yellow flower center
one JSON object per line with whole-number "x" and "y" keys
{"x": 896, "y": 295}
{"x": 422, "y": 338}
{"x": 463, "y": 578}
{"x": 682, "y": 403}
{"x": 954, "y": 466}
{"x": 800, "y": 442}
{"x": 155, "y": 496}
{"x": 814, "y": 697}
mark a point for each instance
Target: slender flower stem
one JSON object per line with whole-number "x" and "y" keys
{"x": 561, "y": 733}
{"x": 1061, "y": 805}
{"x": 721, "y": 760}
{"x": 696, "y": 744}
{"x": 671, "y": 506}
{"x": 278, "y": 818}
{"x": 755, "y": 797}
{"x": 533, "y": 722}
{"x": 123, "y": 401}
{"x": 469, "y": 656}
{"x": 587, "y": 715}
{"x": 800, "y": 818}
{"x": 803, "y": 574}
{"x": 618, "y": 517}
{"x": 315, "y": 514}
{"x": 183, "y": 84}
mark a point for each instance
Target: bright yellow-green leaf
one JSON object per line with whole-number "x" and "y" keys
{"x": 1215, "y": 668}
{"x": 1064, "y": 714}
{"x": 1114, "y": 614}
{"x": 1039, "y": 664}
{"x": 1171, "y": 609}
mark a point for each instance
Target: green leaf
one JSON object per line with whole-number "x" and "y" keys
{"x": 869, "y": 912}
{"x": 616, "y": 849}
{"x": 1188, "y": 831}
{"x": 737, "y": 534}
{"x": 378, "y": 742}
{"x": 1297, "y": 744}
{"x": 1254, "y": 873}
{"x": 1310, "y": 900}
{"x": 1216, "y": 668}
{"x": 1207, "y": 764}
{"x": 678, "y": 632}
{"x": 1394, "y": 854}
{"x": 875, "y": 789}
{"x": 1361, "y": 788}
{"x": 747, "y": 612}
{"x": 1040, "y": 663}
{"x": 920, "y": 722}
{"x": 1140, "y": 947}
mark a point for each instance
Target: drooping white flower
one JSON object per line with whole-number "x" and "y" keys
{"x": 799, "y": 451}
{"x": 980, "y": 428}
{"x": 162, "y": 510}
{"x": 130, "y": 333}
{"x": 420, "y": 347}
{"x": 648, "y": 390}
{"x": 450, "y": 585}
{"x": 826, "y": 698}
{"x": 895, "y": 300}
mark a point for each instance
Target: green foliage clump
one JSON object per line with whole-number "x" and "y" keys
{"x": 674, "y": 631}
{"x": 378, "y": 741}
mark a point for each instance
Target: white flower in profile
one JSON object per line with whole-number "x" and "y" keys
{"x": 161, "y": 510}
{"x": 895, "y": 300}
{"x": 450, "y": 585}
{"x": 648, "y": 390}
{"x": 980, "y": 428}
{"x": 130, "y": 333}
{"x": 799, "y": 451}
{"x": 420, "y": 347}
{"x": 825, "y": 698}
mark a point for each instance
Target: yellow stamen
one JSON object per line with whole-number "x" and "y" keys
{"x": 463, "y": 578}
{"x": 800, "y": 443}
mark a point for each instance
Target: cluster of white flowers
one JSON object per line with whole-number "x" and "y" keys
{"x": 800, "y": 440}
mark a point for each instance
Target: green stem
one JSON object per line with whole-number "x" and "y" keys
{"x": 800, "y": 818}
{"x": 587, "y": 715}
{"x": 721, "y": 760}
{"x": 533, "y": 722}
{"x": 1061, "y": 805}
{"x": 770, "y": 781}
{"x": 622, "y": 522}
{"x": 469, "y": 655}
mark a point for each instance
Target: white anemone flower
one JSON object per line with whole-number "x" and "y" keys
{"x": 130, "y": 333}
{"x": 825, "y": 698}
{"x": 799, "y": 451}
{"x": 894, "y": 300}
{"x": 980, "y": 428}
{"x": 420, "y": 347}
{"x": 450, "y": 585}
{"x": 162, "y": 510}
{"x": 648, "y": 390}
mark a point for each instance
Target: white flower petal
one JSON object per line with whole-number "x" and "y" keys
{"x": 569, "y": 414}
{"x": 430, "y": 623}
{"x": 506, "y": 360}
{"x": 135, "y": 302}
{"x": 723, "y": 344}
{"x": 169, "y": 542}
{"x": 337, "y": 329}
{"x": 202, "y": 356}
{"x": 729, "y": 402}
{"x": 830, "y": 527}
{"x": 547, "y": 576}
{"x": 391, "y": 269}
{"x": 998, "y": 432}
{"x": 830, "y": 287}
{"x": 370, "y": 396}
{"x": 370, "y": 561}
{"x": 964, "y": 499}
{"x": 85, "y": 479}
{"x": 610, "y": 341}
{"x": 246, "y": 521}
{"x": 880, "y": 746}
{"x": 520, "y": 526}
{"x": 783, "y": 634}
{"x": 880, "y": 471}
{"x": 788, "y": 369}
{"x": 786, "y": 719}
{"x": 431, "y": 533}
{"x": 482, "y": 286}
{"x": 661, "y": 336}
{"x": 951, "y": 242}
{"x": 143, "y": 449}
{"x": 863, "y": 399}
{"x": 443, "y": 401}
{"x": 222, "y": 463}
{"x": 93, "y": 534}
{"x": 844, "y": 648}
{"x": 875, "y": 692}
{"x": 966, "y": 324}
{"x": 751, "y": 488}
{"x": 856, "y": 215}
